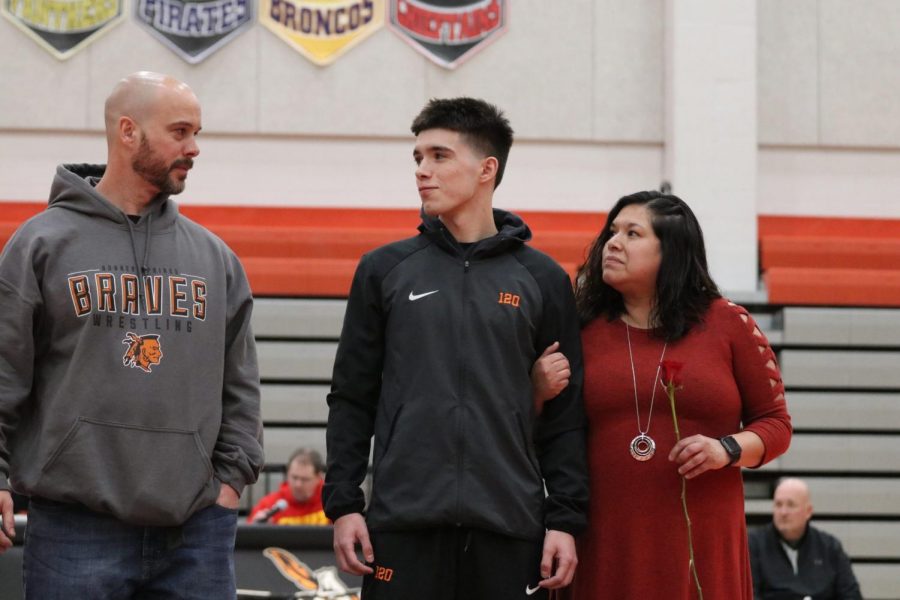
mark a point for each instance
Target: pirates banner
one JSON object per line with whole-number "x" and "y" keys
{"x": 194, "y": 29}
{"x": 322, "y": 30}
{"x": 63, "y": 27}
{"x": 448, "y": 31}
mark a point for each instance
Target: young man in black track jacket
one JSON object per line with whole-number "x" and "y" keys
{"x": 439, "y": 339}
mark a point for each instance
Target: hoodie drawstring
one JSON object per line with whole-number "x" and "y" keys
{"x": 140, "y": 266}
{"x": 145, "y": 264}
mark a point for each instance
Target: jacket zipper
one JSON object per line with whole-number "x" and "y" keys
{"x": 463, "y": 372}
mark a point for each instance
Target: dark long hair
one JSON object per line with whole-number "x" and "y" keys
{"x": 684, "y": 288}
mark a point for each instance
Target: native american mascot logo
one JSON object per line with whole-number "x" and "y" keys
{"x": 320, "y": 584}
{"x": 143, "y": 351}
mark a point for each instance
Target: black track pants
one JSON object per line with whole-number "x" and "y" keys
{"x": 453, "y": 564}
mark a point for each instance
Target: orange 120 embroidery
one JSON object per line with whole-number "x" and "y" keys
{"x": 507, "y": 298}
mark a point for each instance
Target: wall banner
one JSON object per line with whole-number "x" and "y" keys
{"x": 195, "y": 29}
{"x": 449, "y": 32}
{"x": 322, "y": 30}
{"x": 63, "y": 27}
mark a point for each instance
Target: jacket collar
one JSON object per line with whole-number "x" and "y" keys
{"x": 511, "y": 233}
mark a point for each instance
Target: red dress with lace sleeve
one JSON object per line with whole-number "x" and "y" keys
{"x": 636, "y": 544}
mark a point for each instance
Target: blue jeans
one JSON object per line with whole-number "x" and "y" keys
{"x": 72, "y": 552}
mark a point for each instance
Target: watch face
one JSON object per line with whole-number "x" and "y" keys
{"x": 731, "y": 447}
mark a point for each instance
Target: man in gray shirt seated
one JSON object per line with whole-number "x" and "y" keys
{"x": 791, "y": 559}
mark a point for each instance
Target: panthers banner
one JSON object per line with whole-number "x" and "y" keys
{"x": 63, "y": 27}
{"x": 449, "y": 31}
{"x": 194, "y": 29}
{"x": 322, "y": 30}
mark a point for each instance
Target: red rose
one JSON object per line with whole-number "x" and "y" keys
{"x": 671, "y": 372}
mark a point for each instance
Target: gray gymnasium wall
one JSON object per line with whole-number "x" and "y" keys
{"x": 829, "y": 72}
{"x": 829, "y": 75}
{"x": 582, "y": 82}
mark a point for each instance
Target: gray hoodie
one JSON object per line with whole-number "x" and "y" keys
{"x": 128, "y": 374}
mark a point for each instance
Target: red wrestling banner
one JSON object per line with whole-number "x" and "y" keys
{"x": 448, "y": 31}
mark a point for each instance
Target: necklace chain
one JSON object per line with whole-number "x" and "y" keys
{"x": 637, "y": 410}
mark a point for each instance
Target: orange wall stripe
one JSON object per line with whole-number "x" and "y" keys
{"x": 313, "y": 251}
{"x": 827, "y": 226}
{"x": 829, "y": 252}
{"x": 833, "y": 287}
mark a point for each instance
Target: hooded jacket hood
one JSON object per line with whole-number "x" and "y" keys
{"x": 511, "y": 231}
{"x": 74, "y": 188}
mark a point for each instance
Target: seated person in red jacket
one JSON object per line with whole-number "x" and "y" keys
{"x": 299, "y": 499}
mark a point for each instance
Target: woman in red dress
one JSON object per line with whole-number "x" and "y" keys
{"x": 645, "y": 295}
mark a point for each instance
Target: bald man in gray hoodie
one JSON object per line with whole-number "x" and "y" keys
{"x": 129, "y": 388}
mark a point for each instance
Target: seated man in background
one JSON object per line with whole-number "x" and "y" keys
{"x": 791, "y": 559}
{"x": 299, "y": 499}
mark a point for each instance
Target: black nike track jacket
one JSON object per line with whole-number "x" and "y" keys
{"x": 434, "y": 360}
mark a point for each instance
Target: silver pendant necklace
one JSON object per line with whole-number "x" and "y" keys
{"x": 642, "y": 446}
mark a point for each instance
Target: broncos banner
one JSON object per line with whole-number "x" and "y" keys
{"x": 194, "y": 29}
{"x": 449, "y": 31}
{"x": 63, "y": 27}
{"x": 322, "y": 30}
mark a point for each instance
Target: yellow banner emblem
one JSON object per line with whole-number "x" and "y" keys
{"x": 63, "y": 27}
{"x": 322, "y": 30}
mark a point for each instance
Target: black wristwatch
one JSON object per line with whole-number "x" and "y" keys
{"x": 732, "y": 448}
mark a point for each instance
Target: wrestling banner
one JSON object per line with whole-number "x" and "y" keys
{"x": 63, "y": 27}
{"x": 322, "y": 30}
{"x": 195, "y": 29}
{"x": 448, "y": 31}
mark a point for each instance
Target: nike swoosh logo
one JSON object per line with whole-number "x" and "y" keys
{"x": 413, "y": 297}
{"x": 530, "y": 591}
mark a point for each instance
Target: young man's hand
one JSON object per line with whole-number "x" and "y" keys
{"x": 549, "y": 376}
{"x": 349, "y": 531}
{"x": 7, "y": 523}
{"x": 558, "y": 561}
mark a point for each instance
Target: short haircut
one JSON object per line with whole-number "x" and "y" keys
{"x": 307, "y": 456}
{"x": 482, "y": 125}
{"x": 684, "y": 288}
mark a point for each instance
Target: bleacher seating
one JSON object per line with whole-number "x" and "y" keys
{"x": 837, "y": 338}
{"x": 845, "y": 443}
{"x": 840, "y": 367}
{"x": 830, "y": 261}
